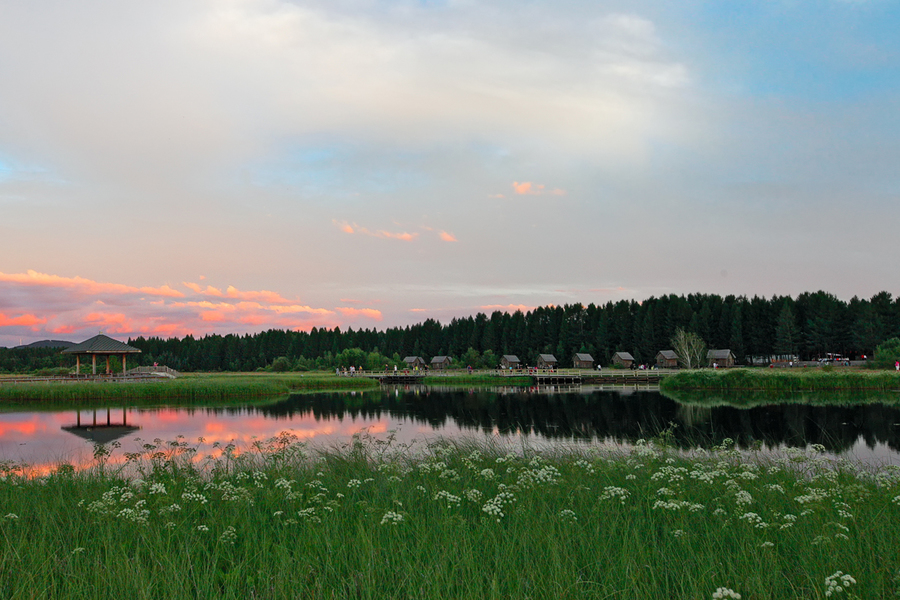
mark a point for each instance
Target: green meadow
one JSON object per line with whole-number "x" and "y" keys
{"x": 374, "y": 519}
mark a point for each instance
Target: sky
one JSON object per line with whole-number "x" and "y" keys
{"x": 185, "y": 167}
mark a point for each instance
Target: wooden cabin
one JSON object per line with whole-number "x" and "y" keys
{"x": 510, "y": 360}
{"x": 440, "y": 363}
{"x": 666, "y": 359}
{"x": 546, "y": 361}
{"x": 583, "y": 361}
{"x": 624, "y": 359}
{"x": 413, "y": 362}
{"x": 720, "y": 358}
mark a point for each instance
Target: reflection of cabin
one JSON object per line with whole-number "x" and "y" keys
{"x": 546, "y": 361}
{"x": 414, "y": 362}
{"x": 666, "y": 359}
{"x": 510, "y": 360}
{"x": 99, "y": 345}
{"x": 722, "y": 358}
{"x": 624, "y": 359}
{"x": 583, "y": 361}
{"x": 440, "y": 363}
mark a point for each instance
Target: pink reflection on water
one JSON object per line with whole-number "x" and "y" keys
{"x": 39, "y": 440}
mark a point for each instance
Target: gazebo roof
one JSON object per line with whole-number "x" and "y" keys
{"x": 101, "y": 344}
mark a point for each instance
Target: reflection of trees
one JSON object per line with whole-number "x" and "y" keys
{"x": 609, "y": 415}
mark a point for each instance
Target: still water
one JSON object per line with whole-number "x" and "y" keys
{"x": 869, "y": 433}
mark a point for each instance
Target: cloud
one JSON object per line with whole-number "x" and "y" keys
{"x": 22, "y": 320}
{"x": 85, "y": 286}
{"x": 381, "y": 233}
{"x": 369, "y": 313}
{"x": 38, "y": 305}
{"x": 447, "y": 237}
{"x": 527, "y": 188}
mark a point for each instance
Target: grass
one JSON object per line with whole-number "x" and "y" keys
{"x": 374, "y": 520}
{"x": 203, "y": 388}
{"x": 781, "y": 380}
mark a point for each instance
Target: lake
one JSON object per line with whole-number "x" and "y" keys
{"x": 512, "y": 416}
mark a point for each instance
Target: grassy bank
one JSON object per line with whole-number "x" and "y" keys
{"x": 189, "y": 388}
{"x": 781, "y": 380}
{"x": 372, "y": 521}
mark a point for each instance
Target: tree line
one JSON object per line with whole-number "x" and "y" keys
{"x": 808, "y": 327}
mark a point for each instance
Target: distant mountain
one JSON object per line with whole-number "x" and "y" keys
{"x": 47, "y": 344}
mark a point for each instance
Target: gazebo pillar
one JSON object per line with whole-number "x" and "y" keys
{"x": 107, "y": 364}
{"x": 94, "y": 364}
{"x": 77, "y": 365}
{"x": 123, "y": 365}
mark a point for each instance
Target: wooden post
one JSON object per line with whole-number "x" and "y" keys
{"x": 107, "y": 364}
{"x": 123, "y": 365}
{"x": 94, "y": 364}
{"x": 77, "y": 365}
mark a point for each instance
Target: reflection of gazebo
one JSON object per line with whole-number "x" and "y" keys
{"x": 99, "y": 345}
{"x": 102, "y": 433}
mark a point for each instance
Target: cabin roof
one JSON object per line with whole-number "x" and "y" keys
{"x": 724, "y": 353}
{"x": 583, "y": 356}
{"x": 624, "y": 355}
{"x": 438, "y": 359}
{"x": 547, "y": 358}
{"x": 668, "y": 354}
{"x": 511, "y": 358}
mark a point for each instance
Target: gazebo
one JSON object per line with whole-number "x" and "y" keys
{"x": 100, "y": 345}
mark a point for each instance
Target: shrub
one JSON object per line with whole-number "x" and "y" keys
{"x": 886, "y": 354}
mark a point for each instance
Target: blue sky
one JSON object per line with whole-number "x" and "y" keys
{"x": 366, "y": 163}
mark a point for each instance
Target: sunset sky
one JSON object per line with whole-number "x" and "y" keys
{"x": 175, "y": 167}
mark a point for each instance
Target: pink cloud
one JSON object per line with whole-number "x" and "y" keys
{"x": 527, "y": 188}
{"x": 51, "y": 306}
{"x": 369, "y": 313}
{"x": 403, "y": 236}
{"x": 21, "y": 320}
{"x": 86, "y": 286}
{"x": 447, "y": 237}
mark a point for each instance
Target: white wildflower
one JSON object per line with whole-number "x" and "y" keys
{"x": 838, "y": 583}
{"x": 391, "y": 518}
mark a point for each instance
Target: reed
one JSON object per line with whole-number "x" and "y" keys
{"x": 781, "y": 380}
{"x": 466, "y": 520}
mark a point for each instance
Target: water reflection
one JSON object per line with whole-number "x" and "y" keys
{"x": 613, "y": 415}
{"x": 869, "y": 431}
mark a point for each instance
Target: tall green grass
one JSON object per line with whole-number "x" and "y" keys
{"x": 375, "y": 520}
{"x": 780, "y": 380}
{"x": 192, "y": 388}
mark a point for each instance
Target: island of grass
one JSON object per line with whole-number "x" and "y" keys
{"x": 780, "y": 380}
{"x": 201, "y": 387}
{"x": 449, "y": 521}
